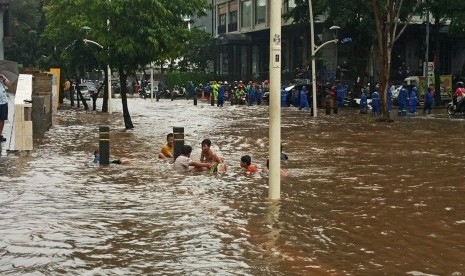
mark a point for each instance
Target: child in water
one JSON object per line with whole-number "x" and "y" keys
{"x": 246, "y": 163}
{"x": 117, "y": 161}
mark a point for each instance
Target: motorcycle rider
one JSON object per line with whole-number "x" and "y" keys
{"x": 459, "y": 95}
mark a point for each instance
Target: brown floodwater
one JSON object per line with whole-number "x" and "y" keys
{"x": 361, "y": 198}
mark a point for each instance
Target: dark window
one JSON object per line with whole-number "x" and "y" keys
{"x": 222, "y": 24}
{"x": 232, "y": 21}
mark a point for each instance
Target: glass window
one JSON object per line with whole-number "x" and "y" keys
{"x": 232, "y": 27}
{"x": 246, "y": 13}
{"x": 260, "y": 11}
{"x": 233, "y": 17}
{"x": 222, "y": 20}
{"x": 289, "y": 5}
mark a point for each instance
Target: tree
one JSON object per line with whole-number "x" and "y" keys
{"x": 26, "y": 18}
{"x": 383, "y": 20}
{"x": 391, "y": 19}
{"x": 133, "y": 33}
{"x": 198, "y": 54}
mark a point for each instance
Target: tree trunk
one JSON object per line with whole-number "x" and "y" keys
{"x": 124, "y": 99}
{"x": 105, "y": 92}
{"x": 79, "y": 95}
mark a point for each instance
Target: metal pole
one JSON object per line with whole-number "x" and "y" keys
{"x": 425, "y": 64}
{"x": 312, "y": 52}
{"x": 151, "y": 84}
{"x": 110, "y": 106}
{"x": 275, "y": 101}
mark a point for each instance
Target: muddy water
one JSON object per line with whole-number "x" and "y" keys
{"x": 361, "y": 198}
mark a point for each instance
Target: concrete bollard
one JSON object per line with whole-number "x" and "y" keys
{"x": 104, "y": 145}
{"x": 178, "y": 133}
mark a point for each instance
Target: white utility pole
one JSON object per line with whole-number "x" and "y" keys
{"x": 275, "y": 101}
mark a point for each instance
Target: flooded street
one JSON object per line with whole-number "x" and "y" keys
{"x": 361, "y": 198}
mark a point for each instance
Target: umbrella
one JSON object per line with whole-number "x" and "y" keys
{"x": 289, "y": 88}
{"x": 9, "y": 69}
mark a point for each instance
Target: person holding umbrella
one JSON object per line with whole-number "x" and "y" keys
{"x": 4, "y": 83}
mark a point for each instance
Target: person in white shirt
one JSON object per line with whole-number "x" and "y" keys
{"x": 4, "y": 83}
{"x": 184, "y": 163}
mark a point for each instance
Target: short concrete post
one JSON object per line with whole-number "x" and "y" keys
{"x": 178, "y": 133}
{"x": 104, "y": 145}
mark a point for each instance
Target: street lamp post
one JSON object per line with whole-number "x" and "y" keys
{"x": 110, "y": 108}
{"x": 313, "y": 51}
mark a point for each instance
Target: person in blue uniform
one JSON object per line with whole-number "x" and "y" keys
{"x": 413, "y": 101}
{"x": 283, "y": 96}
{"x": 403, "y": 98}
{"x": 363, "y": 103}
{"x": 220, "y": 101}
{"x": 304, "y": 99}
{"x": 429, "y": 99}
{"x": 376, "y": 103}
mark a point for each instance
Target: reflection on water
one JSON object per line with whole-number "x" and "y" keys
{"x": 360, "y": 198}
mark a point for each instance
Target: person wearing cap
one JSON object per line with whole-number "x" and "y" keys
{"x": 4, "y": 84}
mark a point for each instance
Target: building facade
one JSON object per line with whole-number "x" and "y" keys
{"x": 242, "y": 44}
{"x": 241, "y": 28}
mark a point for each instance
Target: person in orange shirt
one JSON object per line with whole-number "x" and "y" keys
{"x": 246, "y": 163}
{"x": 167, "y": 150}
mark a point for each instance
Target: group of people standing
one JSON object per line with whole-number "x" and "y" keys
{"x": 238, "y": 93}
{"x": 407, "y": 101}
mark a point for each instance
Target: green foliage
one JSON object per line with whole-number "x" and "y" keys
{"x": 182, "y": 78}
{"x": 198, "y": 53}
{"x": 134, "y": 33}
{"x": 26, "y": 25}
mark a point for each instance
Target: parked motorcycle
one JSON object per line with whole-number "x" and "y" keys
{"x": 454, "y": 108}
{"x": 164, "y": 94}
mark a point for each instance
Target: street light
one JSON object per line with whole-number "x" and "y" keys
{"x": 335, "y": 30}
{"x": 315, "y": 49}
{"x": 110, "y": 108}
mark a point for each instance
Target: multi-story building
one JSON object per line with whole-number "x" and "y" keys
{"x": 242, "y": 44}
{"x": 241, "y": 28}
